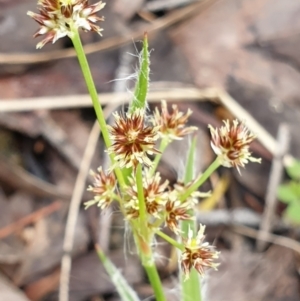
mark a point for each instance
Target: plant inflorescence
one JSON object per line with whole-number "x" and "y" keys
{"x": 135, "y": 143}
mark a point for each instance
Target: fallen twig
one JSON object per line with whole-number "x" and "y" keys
{"x": 29, "y": 219}
{"x": 166, "y": 4}
{"x": 82, "y": 101}
{"x": 274, "y": 181}
{"x": 268, "y": 237}
{"x": 79, "y": 188}
{"x": 109, "y": 43}
{"x": 183, "y": 94}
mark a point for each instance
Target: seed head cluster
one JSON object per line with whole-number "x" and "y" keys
{"x": 133, "y": 140}
{"x": 198, "y": 254}
{"x": 166, "y": 205}
{"x": 172, "y": 125}
{"x": 231, "y": 144}
{"x": 59, "y": 18}
{"x": 103, "y": 189}
{"x": 155, "y": 195}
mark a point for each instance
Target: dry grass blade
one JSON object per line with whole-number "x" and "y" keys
{"x": 73, "y": 212}
{"x": 157, "y": 5}
{"x": 29, "y": 219}
{"x": 268, "y": 237}
{"x": 274, "y": 181}
{"x": 182, "y": 93}
{"x": 81, "y": 101}
{"x": 74, "y": 207}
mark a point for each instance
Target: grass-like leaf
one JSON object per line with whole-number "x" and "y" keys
{"x": 289, "y": 192}
{"x": 141, "y": 87}
{"x": 124, "y": 289}
{"x": 191, "y": 289}
{"x": 294, "y": 170}
{"x": 292, "y": 213}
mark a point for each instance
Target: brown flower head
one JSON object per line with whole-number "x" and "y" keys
{"x": 198, "y": 254}
{"x": 132, "y": 140}
{"x": 172, "y": 125}
{"x": 231, "y": 143}
{"x": 155, "y": 195}
{"x": 103, "y": 189}
{"x": 175, "y": 212}
{"x": 59, "y": 18}
{"x": 177, "y": 209}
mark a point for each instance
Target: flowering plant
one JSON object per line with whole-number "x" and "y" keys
{"x": 148, "y": 203}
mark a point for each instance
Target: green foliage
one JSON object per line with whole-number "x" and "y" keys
{"x": 294, "y": 170}
{"x": 190, "y": 162}
{"x": 289, "y": 193}
{"x": 124, "y": 289}
{"x": 292, "y": 212}
{"x": 142, "y": 84}
{"x": 191, "y": 288}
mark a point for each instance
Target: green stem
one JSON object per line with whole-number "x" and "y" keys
{"x": 163, "y": 145}
{"x": 191, "y": 288}
{"x": 188, "y": 176}
{"x": 94, "y": 96}
{"x": 141, "y": 198}
{"x": 201, "y": 179}
{"x": 170, "y": 240}
{"x": 91, "y": 86}
{"x": 117, "y": 198}
{"x": 188, "y": 224}
{"x": 143, "y": 240}
{"x": 147, "y": 259}
{"x": 155, "y": 282}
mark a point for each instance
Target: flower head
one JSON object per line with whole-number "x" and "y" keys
{"x": 155, "y": 195}
{"x": 59, "y": 18}
{"x": 132, "y": 140}
{"x": 176, "y": 211}
{"x": 231, "y": 143}
{"x": 103, "y": 189}
{"x": 172, "y": 125}
{"x": 198, "y": 254}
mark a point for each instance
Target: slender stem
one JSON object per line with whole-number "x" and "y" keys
{"x": 91, "y": 86}
{"x": 188, "y": 176}
{"x": 95, "y": 98}
{"x": 143, "y": 240}
{"x": 155, "y": 282}
{"x": 141, "y": 197}
{"x": 201, "y": 179}
{"x": 146, "y": 256}
{"x": 170, "y": 240}
{"x": 191, "y": 288}
{"x": 117, "y": 198}
{"x": 163, "y": 145}
{"x": 188, "y": 224}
